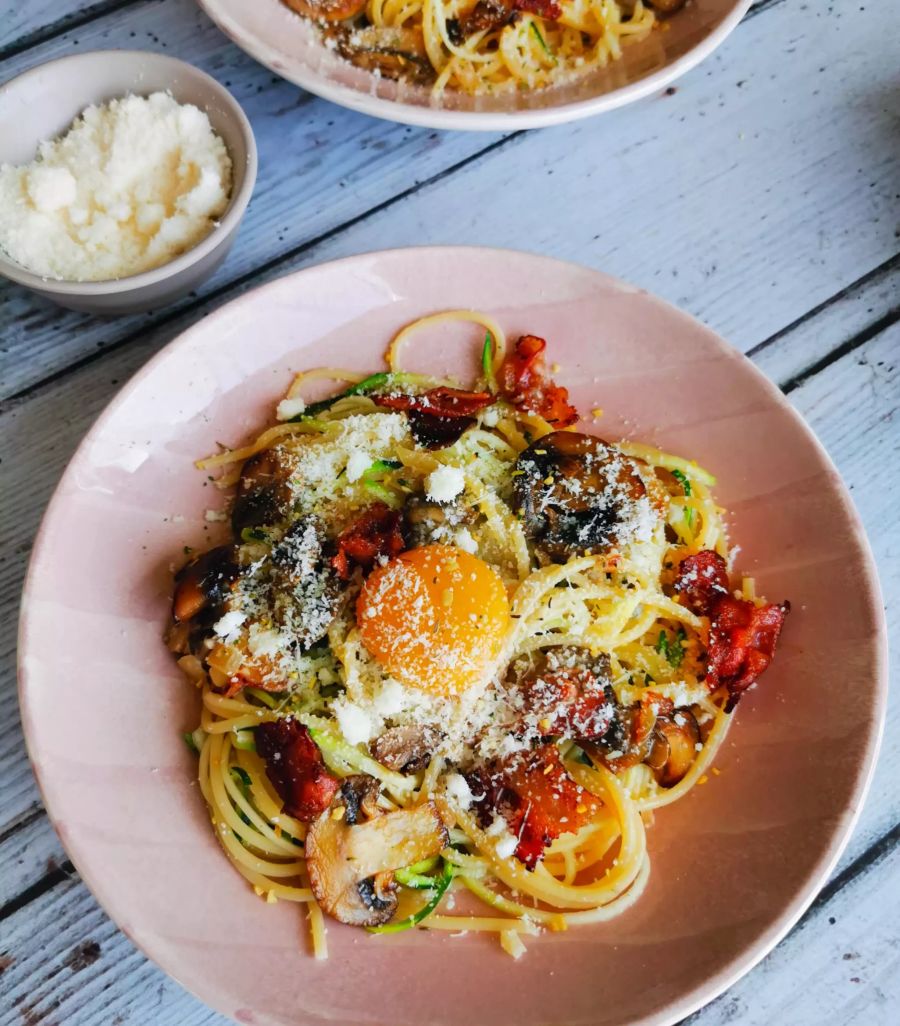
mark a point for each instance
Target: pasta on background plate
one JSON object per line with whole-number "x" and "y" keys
{"x": 482, "y": 47}
{"x": 456, "y": 645}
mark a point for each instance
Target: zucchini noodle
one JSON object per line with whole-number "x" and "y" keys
{"x": 618, "y": 603}
{"x": 402, "y": 338}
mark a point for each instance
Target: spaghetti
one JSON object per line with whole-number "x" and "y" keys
{"x": 483, "y": 46}
{"x": 458, "y": 652}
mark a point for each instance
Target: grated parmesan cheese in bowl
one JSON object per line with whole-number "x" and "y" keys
{"x": 130, "y": 186}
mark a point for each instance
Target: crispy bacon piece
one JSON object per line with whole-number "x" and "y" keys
{"x": 742, "y": 635}
{"x": 742, "y": 639}
{"x": 630, "y": 734}
{"x": 295, "y": 766}
{"x": 525, "y": 382}
{"x": 488, "y": 15}
{"x": 438, "y": 402}
{"x": 548, "y": 9}
{"x": 376, "y": 533}
{"x": 701, "y": 580}
{"x": 652, "y": 731}
{"x": 536, "y": 796}
{"x": 256, "y": 672}
{"x": 437, "y": 432}
{"x": 204, "y": 583}
{"x": 577, "y": 701}
{"x": 327, "y": 10}
{"x": 439, "y": 416}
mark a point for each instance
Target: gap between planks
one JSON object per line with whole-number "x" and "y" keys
{"x": 860, "y": 339}
{"x": 883, "y": 270}
{"x": 67, "y": 23}
{"x": 21, "y": 822}
{"x": 41, "y": 886}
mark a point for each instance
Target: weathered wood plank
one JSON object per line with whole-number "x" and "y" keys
{"x": 66, "y": 963}
{"x": 838, "y": 967}
{"x": 768, "y": 198}
{"x": 854, "y": 408}
{"x": 853, "y": 314}
{"x": 747, "y": 252}
{"x": 319, "y": 167}
{"x": 29, "y": 850}
{"x": 23, "y": 25}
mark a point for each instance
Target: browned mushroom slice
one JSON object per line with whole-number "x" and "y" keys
{"x": 306, "y": 588}
{"x": 486, "y": 16}
{"x": 666, "y": 6}
{"x": 204, "y": 583}
{"x": 359, "y": 796}
{"x": 327, "y": 10}
{"x": 351, "y": 861}
{"x": 630, "y": 735}
{"x": 395, "y": 53}
{"x": 429, "y": 522}
{"x": 577, "y": 493}
{"x": 405, "y": 748}
{"x": 673, "y": 747}
{"x": 264, "y": 493}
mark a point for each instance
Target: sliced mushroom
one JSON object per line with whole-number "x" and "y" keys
{"x": 629, "y": 736}
{"x": 577, "y": 493}
{"x": 327, "y": 10}
{"x": 359, "y": 795}
{"x": 204, "y": 583}
{"x": 627, "y": 740}
{"x": 486, "y": 16}
{"x": 405, "y": 748}
{"x": 673, "y": 747}
{"x": 429, "y": 522}
{"x": 392, "y": 64}
{"x": 305, "y": 591}
{"x": 263, "y": 494}
{"x": 351, "y": 859}
{"x": 393, "y": 52}
{"x": 667, "y": 6}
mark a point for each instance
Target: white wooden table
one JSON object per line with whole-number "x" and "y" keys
{"x": 762, "y": 195}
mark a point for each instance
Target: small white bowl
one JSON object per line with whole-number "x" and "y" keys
{"x": 41, "y": 103}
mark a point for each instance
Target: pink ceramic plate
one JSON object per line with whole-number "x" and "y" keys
{"x": 733, "y": 865}
{"x": 291, "y": 47}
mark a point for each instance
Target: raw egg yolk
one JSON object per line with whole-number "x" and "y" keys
{"x": 435, "y": 618}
